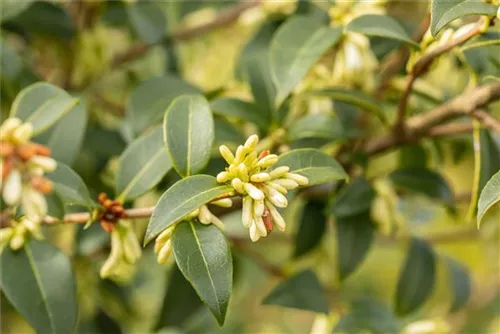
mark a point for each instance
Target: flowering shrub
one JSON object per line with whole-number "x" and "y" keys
{"x": 162, "y": 162}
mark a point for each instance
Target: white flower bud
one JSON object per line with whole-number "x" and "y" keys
{"x": 8, "y": 127}
{"x": 277, "y": 218}
{"x": 46, "y": 163}
{"x": 253, "y": 191}
{"x": 251, "y": 159}
{"x": 165, "y": 252}
{"x": 223, "y": 177}
{"x": 243, "y": 172}
{"x": 251, "y": 142}
{"x": 131, "y": 249}
{"x": 166, "y": 234}
{"x": 23, "y": 133}
{"x": 260, "y": 177}
{"x": 238, "y": 185}
{"x": 240, "y": 155}
{"x": 268, "y": 161}
{"x": 34, "y": 204}
{"x": 17, "y": 241}
{"x": 279, "y": 172}
{"x": 226, "y": 154}
{"x": 114, "y": 256}
{"x": 246, "y": 212}
{"x": 224, "y": 202}
{"x": 278, "y": 187}
{"x": 287, "y": 183}
{"x": 301, "y": 180}
{"x": 12, "y": 188}
{"x": 276, "y": 197}
{"x": 254, "y": 233}
{"x": 204, "y": 216}
{"x": 33, "y": 227}
{"x": 261, "y": 227}
{"x": 217, "y": 222}
{"x": 258, "y": 208}
{"x": 35, "y": 170}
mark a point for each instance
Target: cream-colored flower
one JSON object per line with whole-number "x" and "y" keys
{"x": 19, "y": 233}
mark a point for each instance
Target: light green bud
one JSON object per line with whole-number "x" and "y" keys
{"x": 224, "y": 202}
{"x": 253, "y": 191}
{"x": 279, "y": 172}
{"x": 246, "y": 213}
{"x": 226, "y": 153}
{"x": 251, "y": 142}
{"x": 301, "y": 180}
{"x": 23, "y": 133}
{"x": 260, "y": 177}
{"x": 8, "y": 127}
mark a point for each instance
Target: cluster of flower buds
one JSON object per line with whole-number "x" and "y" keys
{"x": 262, "y": 190}
{"x": 163, "y": 244}
{"x": 18, "y": 233}
{"x": 125, "y": 252}
{"x": 23, "y": 165}
{"x": 111, "y": 211}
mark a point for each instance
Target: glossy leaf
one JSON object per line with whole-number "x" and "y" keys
{"x": 55, "y": 205}
{"x": 354, "y": 199}
{"x": 313, "y": 164}
{"x": 11, "y": 9}
{"x": 445, "y": 11}
{"x": 312, "y": 227}
{"x": 188, "y": 132}
{"x": 240, "y": 110}
{"x": 423, "y": 181}
{"x": 42, "y": 104}
{"x": 315, "y": 126}
{"x": 296, "y": 46}
{"x": 302, "y": 291}
{"x": 148, "y": 20}
{"x": 150, "y": 99}
{"x": 381, "y": 26}
{"x": 417, "y": 278}
{"x": 182, "y": 198}
{"x": 460, "y": 284}
{"x": 490, "y": 195}
{"x": 142, "y": 165}
{"x": 204, "y": 258}
{"x": 40, "y": 285}
{"x": 354, "y": 238}
{"x": 70, "y": 187}
{"x": 490, "y": 157}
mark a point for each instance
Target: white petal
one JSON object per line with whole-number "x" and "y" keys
{"x": 246, "y": 212}
{"x": 254, "y": 192}
{"x": 12, "y": 188}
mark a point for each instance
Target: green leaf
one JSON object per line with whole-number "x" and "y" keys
{"x": 354, "y": 238}
{"x": 40, "y": 285}
{"x": 313, "y": 164}
{"x": 142, "y": 165}
{"x": 460, "y": 283}
{"x": 147, "y": 20}
{"x": 357, "y": 98}
{"x": 381, "y": 26}
{"x": 295, "y": 48}
{"x": 423, "y": 181}
{"x": 417, "y": 279}
{"x": 490, "y": 157}
{"x": 12, "y": 8}
{"x": 312, "y": 227}
{"x": 42, "y": 104}
{"x": 316, "y": 126}
{"x": 240, "y": 110}
{"x": 302, "y": 291}
{"x": 188, "y": 132}
{"x": 182, "y": 198}
{"x": 70, "y": 187}
{"x": 354, "y": 199}
{"x": 445, "y": 11}
{"x": 149, "y": 100}
{"x": 204, "y": 258}
{"x": 490, "y": 195}
{"x": 55, "y": 205}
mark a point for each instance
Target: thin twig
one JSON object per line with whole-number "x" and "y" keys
{"x": 487, "y": 120}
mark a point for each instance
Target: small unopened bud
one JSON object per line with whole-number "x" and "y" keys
{"x": 251, "y": 142}
{"x": 224, "y": 202}
{"x": 278, "y": 187}
{"x": 240, "y": 155}
{"x": 301, "y": 180}
{"x": 261, "y": 227}
{"x": 251, "y": 159}
{"x": 243, "y": 172}
{"x": 260, "y": 177}
{"x": 192, "y": 214}
{"x": 279, "y": 172}
{"x": 23, "y": 133}
{"x": 204, "y": 216}
{"x": 33, "y": 227}
{"x": 48, "y": 164}
{"x": 264, "y": 153}
{"x": 17, "y": 241}
{"x": 226, "y": 153}
{"x": 42, "y": 150}
{"x": 12, "y": 188}
{"x": 276, "y": 197}
{"x": 287, "y": 183}
{"x": 238, "y": 185}
{"x": 217, "y": 222}
{"x": 6, "y": 149}
{"x": 223, "y": 177}
{"x": 268, "y": 161}
{"x": 165, "y": 252}
{"x": 246, "y": 213}
{"x": 8, "y": 127}
{"x": 258, "y": 208}
{"x": 254, "y": 192}
{"x": 254, "y": 233}
{"x": 34, "y": 203}
{"x": 277, "y": 218}
{"x": 5, "y": 235}
{"x": 268, "y": 221}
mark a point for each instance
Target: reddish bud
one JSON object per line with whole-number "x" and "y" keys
{"x": 42, "y": 150}
{"x": 268, "y": 221}
{"x": 6, "y": 149}
{"x": 107, "y": 226}
{"x": 263, "y": 154}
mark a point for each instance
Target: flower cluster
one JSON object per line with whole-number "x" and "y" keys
{"x": 23, "y": 165}
{"x": 17, "y": 234}
{"x": 263, "y": 190}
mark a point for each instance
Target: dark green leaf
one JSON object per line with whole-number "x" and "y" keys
{"x": 296, "y": 46}
{"x": 417, "y": 279}
{"x": 188, "y": 131}
{"x": 182, "y": 198}
{"x": 148, "y": 20}
{"x": 302, "y": 291}
{"x": 316, "y": 126}
{"x": 423, "y": 181}
{"x": 142, "y": 165}
{"x": 313, "y": 164}
{"x": 204, "y": 258}
{"x": 445, "y": 11}
{"x": 354, "y": 238}
{"x": 412, "y": 156}
{"x": 149, "y": 100}
{"x": 490, "y": 157}
{"x": 354, "y": 199}
{"x": 55, "y": 205}
{"x": 460, "y": 283}
{"x": 11, "y": 9}
{"x": 490, "y": 195}
{"x": 70, "y": 187}
{"x": 240, "y": 110}
{"x": 42, "y": 104}
{"x": 312, "y": 227}
{"x": 40, "y": 284}
{"x": 381, "y": 26}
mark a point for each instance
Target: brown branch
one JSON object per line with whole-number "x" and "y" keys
{"x": 225, "y": 17}
{"x": 487, "y": 120}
